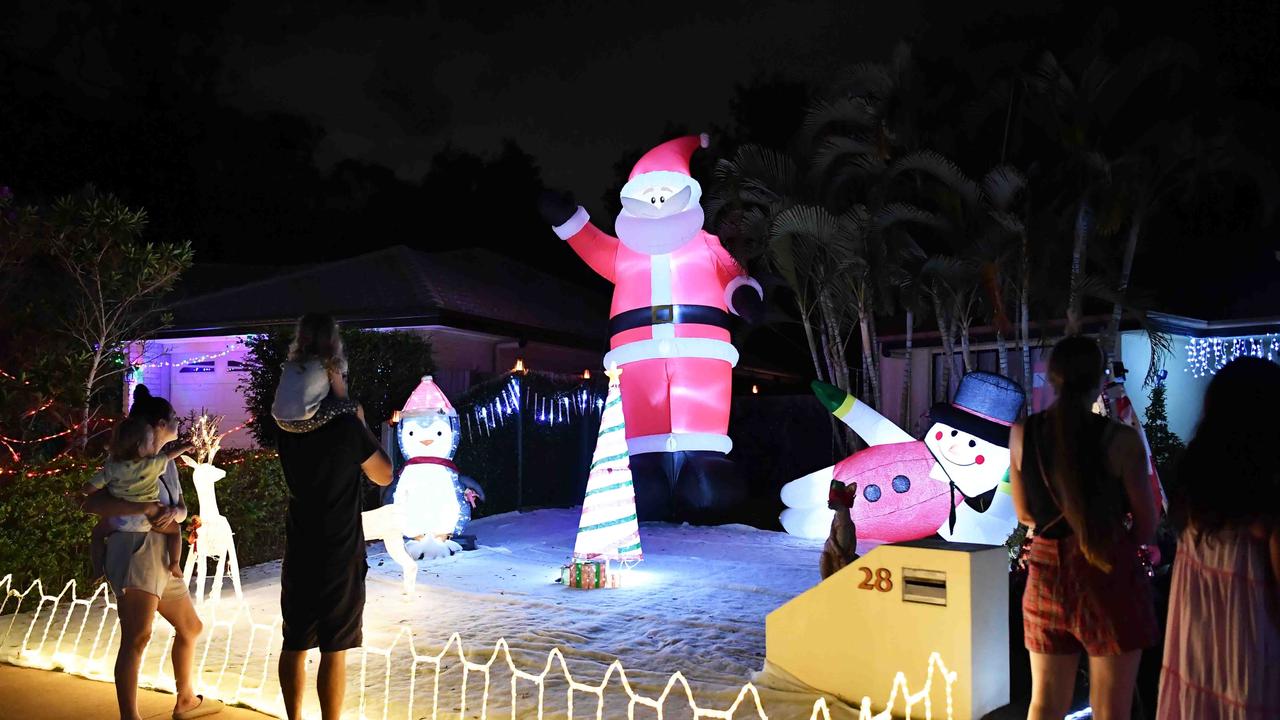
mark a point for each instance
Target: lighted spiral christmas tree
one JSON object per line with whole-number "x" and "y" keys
{"x": 608, "y": 529}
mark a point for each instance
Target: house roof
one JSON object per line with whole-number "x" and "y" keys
{"x": 1162, "y": 322}
{"x": 1194, "y": 327}
{"x": 471, "y": 289}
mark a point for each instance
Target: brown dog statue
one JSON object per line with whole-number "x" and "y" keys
{"x": 841, "y": 547}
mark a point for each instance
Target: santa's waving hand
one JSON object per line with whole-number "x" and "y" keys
{"x": 675, "y": 291}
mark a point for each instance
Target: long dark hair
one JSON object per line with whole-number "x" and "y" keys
{"x": 1089, "y": 502}
{"x": 146, "y": 412}
{"x": 316, "y": 336}
{"x": 1230, "y": 472}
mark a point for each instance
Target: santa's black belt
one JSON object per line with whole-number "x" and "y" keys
{"x": 664, "y": 314}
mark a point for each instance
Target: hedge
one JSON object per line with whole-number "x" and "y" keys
{"x": 42, "y": 533}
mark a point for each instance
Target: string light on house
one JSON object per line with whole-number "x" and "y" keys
{"x": 1206, "y": 356}
{"x": 44, "y": 647}
{"x": 230, "y": 348}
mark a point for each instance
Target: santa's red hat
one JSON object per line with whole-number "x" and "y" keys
{"x": 427, "y": 398}
{"x": 667, "y": 164}
{"x": 670, "y": 156}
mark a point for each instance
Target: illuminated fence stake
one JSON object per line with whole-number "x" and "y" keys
{"x": 556, "y": 666}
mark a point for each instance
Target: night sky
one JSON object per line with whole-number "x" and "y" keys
{"x": 284, "y": 133}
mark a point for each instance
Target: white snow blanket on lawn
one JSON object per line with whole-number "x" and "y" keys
{"x": 696, "y": 606}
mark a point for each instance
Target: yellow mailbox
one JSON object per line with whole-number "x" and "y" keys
{"x": 888, "y": 613}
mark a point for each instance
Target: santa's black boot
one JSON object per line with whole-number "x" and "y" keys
{"x": 709, "y": 489}
{"x": 653, "y": 475}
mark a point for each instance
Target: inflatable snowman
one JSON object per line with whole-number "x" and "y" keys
{"x": 428, "y": 493}
{"x": 953, "y": 483}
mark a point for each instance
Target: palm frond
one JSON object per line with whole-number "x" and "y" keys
{"x": 763, "y": 166}
{"x": 844, "y": 114}
{"x": 839, "y": 150}
{"x": 1135, "y": 305}
{"x": 1145, "y": 64}
{"x": 871, "y": 81}
{"x": 939, "y": 167}
{"x": 896, "y": 214}
{"x": 1002, "y": 186}
{"x": 1048, "y": 79}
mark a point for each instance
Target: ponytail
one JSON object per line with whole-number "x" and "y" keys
{"x": 150, "y": 409}
{"x": 146, "y": 412}
{"x": 1090, "y": 506}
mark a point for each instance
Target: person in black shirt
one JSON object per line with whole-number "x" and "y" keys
{"x": 322, "y": 578}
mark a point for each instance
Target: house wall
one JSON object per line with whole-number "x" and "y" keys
{"x": 462, "y": 358}
{"x": 1185, "y": 394}
{"x": 924, "y": 366}
{"x": 182, "y": 372}
{"x": 892, "y": 373}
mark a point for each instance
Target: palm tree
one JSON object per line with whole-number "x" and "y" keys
{"x": 1074, "y": 105}
{"x": 762, "y": 197}
{"x": 1172, "y": 162}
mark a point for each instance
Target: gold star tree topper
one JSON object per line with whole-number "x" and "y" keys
{"x": 614, "y": 372}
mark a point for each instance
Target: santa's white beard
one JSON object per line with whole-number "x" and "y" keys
{"x": 659, "y": 235}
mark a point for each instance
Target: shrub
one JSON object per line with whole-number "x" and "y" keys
{"x": 384, "y": 368}
{"x": 42, "y": 533}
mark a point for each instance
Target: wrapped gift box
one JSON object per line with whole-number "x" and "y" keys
{"x": 588, "y": 575}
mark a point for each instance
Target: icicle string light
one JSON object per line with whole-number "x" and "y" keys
{"x": 1206, "y": 356}
{"x": 484, "y": 417}
{"x": 253, "y": 664}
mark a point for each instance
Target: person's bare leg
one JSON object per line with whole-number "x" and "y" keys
{"x": 293, "y": 676}
{"x": 187, "y": 628}
{"x": 136, "y": 610}
{"x": 331, "y": 683}
{"x": 1111, "y": 683}
{"x": 1052, "y": 682}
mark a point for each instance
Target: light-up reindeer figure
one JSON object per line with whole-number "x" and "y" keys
{"x": 214, "y": 539}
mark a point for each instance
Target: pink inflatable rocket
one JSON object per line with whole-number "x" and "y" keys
{"x": 675, "y": 292}
{"x": 954, "y": 482}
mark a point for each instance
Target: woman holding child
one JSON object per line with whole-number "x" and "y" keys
{"x": 139, "y": 498}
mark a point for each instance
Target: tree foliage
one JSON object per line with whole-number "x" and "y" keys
{"x": 384, "y": 368}
{"x": 1165, "y": 444}
{"x": 79, "y": 283}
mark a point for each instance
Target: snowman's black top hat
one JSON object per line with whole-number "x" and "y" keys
{"x": 986, "y": 405}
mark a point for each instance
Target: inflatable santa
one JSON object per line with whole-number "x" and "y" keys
{"x": 675, "y": 292}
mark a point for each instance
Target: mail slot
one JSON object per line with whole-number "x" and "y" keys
{"x": 924, "y": 586}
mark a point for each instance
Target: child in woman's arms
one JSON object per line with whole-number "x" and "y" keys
{"x": 132, "y": 473}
